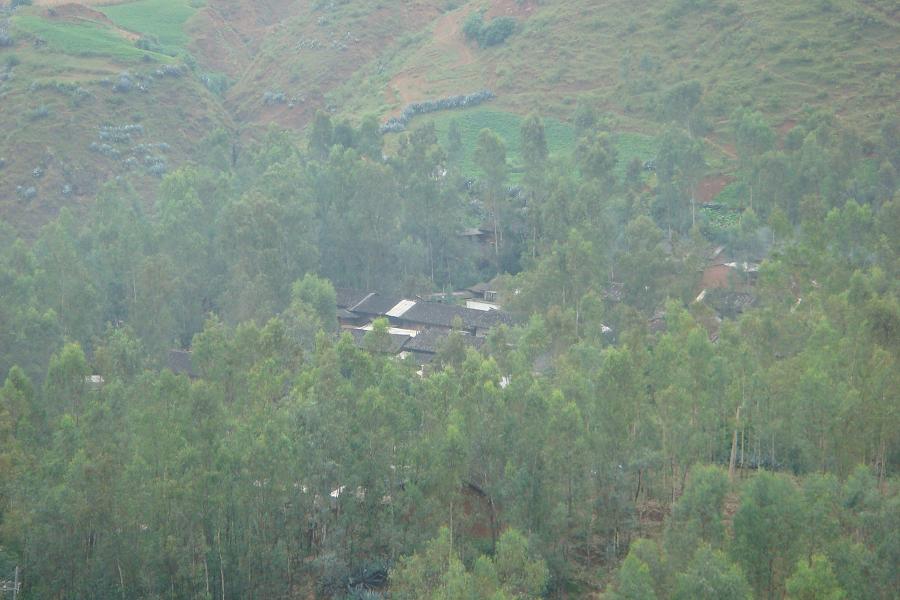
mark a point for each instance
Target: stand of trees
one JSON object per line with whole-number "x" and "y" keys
{"x": 296, "y": 462}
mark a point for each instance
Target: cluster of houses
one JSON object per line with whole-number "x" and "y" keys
{"x": 418, "y": 328}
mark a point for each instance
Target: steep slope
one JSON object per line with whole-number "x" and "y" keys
{"x": 278, "y": 61}
{"x": 81, "y": 102}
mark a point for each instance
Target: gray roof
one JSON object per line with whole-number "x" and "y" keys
{"x": 375, "y": 304}
{"x": 728, "y": 303}
{"x": 492, "y": 318}
{"x": 480, "y": 288}
{"x": 430, "y": 341}
{"x": 397, "y": 340}
{"x": 420, "y": 312}
{"x": 442, "y": 315}
{"x": 347, "y": 297}
{"x": 343, "y": 313}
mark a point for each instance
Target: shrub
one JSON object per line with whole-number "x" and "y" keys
{"x": 125, "y": 83}
{"x": 5, "y": 39}
{"x": 491, "y": 34}
{"x": 120, "y": 133}
{"x": 473, "y": 26}
{"x": 26, "y": 193}
{"x": 150, "y": 44}
{"x": 217, "y": 83}
{"x": 397, "y": 124}
{"x": 272, "y": 98}
{"x": 37, "y": 113}
{"x": 172, "y": 70}
{"x": 18, "y": 3}
{"x": 497, "y": 31}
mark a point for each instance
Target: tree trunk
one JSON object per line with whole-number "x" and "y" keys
{"x": 732, "y": 460}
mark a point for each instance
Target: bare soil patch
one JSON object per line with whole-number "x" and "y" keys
{"x": 449, "y": 41}
{"x": 710, "y": 187}
{"x": 409, "y": 86}
{"x": 727, "y": 149}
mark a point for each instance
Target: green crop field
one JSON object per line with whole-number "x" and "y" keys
{"x": 83, "y": 38}
{"x": 506, "y": 125}
{"x": 560, "y": 137}
{"x": 161, "y": 19}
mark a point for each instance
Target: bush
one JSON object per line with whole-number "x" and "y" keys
{"x": 272, "y": 98}
{"x": 118, "y": 134}
{"x": 473, "y": 26}
{"x": 497, "y": 31}
{"x": 150, "y": 44}
{"x": 37, "y": 113}
{"x": 5, "y": 39}
{"x": 492, "y": 34}
{"x": 217, "y": 83}
{"x": 397, "y": 124}
{"x": 124, "y": 84}
{"x": 18, "y": 3}
{"x": 26, "y": 193}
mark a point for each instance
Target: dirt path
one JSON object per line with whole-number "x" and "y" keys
{"x": 409, "y": 85}
{"x": 448, "y": 34}
{"x": 726, "y": 149}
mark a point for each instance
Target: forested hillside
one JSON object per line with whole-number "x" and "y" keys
{"x": 244, "y": 247}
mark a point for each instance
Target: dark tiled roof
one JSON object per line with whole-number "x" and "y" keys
{"x": 397, "y": 340}
{"x": 430, "y": 341}
{"x": 346, "y": 315}
{"x": 441, "y": 315}
{"x": 180, "y": 362}
{"x": 492, "y": 318}
{"x": 480, "y": 288}
{"x": 347, "y": 297}
{"x": 421, "y": 358}
{"x": 375, "y": 304}
{"x": 728, "y": 303}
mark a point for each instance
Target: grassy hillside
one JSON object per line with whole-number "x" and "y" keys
{"x": 81, "y": 102}
{"x": 284, "y": 59}
{"x": 163, "y": 20}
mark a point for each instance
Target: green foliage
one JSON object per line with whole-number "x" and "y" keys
{"x": 293, "y": 455}
{"x": 84, "y": 38}
{"x": 710, "y": 576}
{"x": 162, "y": 20}
{"x": 488, "y": 34}
{"x": 697, "y": 516}
{"x": 437, "y": 572}
{"x": 507, "y": 126}
{"x": 814, "y": 580}
{"x": 766, "y": 531}
{"x": 634, "y": 581}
